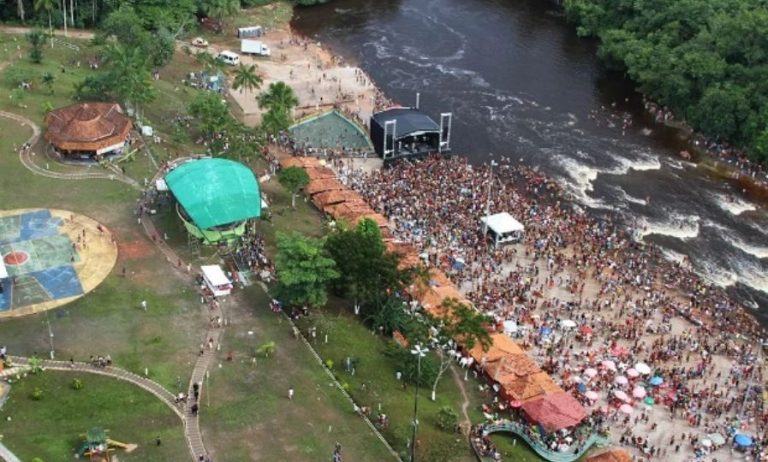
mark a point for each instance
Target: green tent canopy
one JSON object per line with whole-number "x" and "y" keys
{"x": 215, "y": 192}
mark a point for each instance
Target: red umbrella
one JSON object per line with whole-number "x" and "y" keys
{"x": 516, "y": 404}
{"x": 585, "y": 330}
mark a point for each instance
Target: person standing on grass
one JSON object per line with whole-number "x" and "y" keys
{"x": 144, "y": 305}
{"x": 290, "y": 394}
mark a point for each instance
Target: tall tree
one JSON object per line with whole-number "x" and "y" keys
{"x": 279, "y": 100}
{"x": 461, "y": 324}
{"x": 246, "y": 78}
{"x": 219, "y": 10}
{"x": 47, "y": 6}
{"x": 130, "y": 76}
{"x": 279, "y": 96}
{"x": 293, "y": 179}
{"x": 303, "y": 270}
{"x": 36, "y": 40}
{"x": 20, "y": 9}
{"x": 212, "y": 114}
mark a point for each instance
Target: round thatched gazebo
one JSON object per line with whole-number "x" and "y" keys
{"x": 87, "y": 130}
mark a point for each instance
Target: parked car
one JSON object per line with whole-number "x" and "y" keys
{"x": 199, "y": 42}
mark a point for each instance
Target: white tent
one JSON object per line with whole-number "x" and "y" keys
{"x": 3, "y": 270}
{"x": 216, "y": 280}
{"x": 503, "y": 227}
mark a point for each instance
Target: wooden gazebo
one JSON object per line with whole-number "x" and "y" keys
{"x": 87, "y": 130}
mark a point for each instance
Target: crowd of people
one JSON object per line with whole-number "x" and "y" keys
{"x": 624, "y": 298}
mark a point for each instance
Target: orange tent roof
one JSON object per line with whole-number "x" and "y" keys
{"x": 510, "y": 366}
{"x": 439, "y": 278}
{"x": 299, "y": 162}
{"x": 318, "y": 186}
{"x": 87, "y": 126}
{"x": 335, "y": 197}
{"x": 527, "y": 387}
{"x": 347, "y": 210}
{"x": 502, "y": 346}
{"x": 432, "y": 299}
{"x": 611, "y": 455}
{"x": 320, "y": 173}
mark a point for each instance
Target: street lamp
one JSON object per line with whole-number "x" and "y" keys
{"x": 419, "y": 352}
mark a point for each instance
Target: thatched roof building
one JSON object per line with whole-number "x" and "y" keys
{"x": 96, "y": 128}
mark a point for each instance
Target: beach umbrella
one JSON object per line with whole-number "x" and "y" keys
{"x": 649, "y": 401}
{"x": 716, "y": 438}
{"x": 639, "y": 392}
{"x": 707, "y": 443}
{"x": 621, "y": 380}
{"x": 567, "y": 324}
{"x": 591, "y": 395}
{"x": 510, "y": 327}
{"x": 581, "y": 387}
{"x": 742, "y": 440}
{"x": 632, "y": 373}
{"x": 620, "y": 395}
{"x": 625, "y": 408}
{"x": 590, "y": 372}
{"x": 656, "y": 381}
{"x": 608, "y": 364}
{"x": 619, "y": 350}
{"x": 585, "y": 330}
{"x": 576, "y": 379}
{"x": 544, "y": 331}
{"x": 643, "y": 368}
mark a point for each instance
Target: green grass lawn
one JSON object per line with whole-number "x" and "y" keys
{"x": 51, "y": 428}
{"x": 374, "y": 384}
{"x": 250, "y": 417}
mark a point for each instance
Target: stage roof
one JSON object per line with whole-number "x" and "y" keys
{"x": 215, "y": 192}
{"x": 408, "y": 121}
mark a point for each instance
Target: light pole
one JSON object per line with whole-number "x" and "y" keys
{"x": 419, "y": 352}
{"x": 50, "y": 333}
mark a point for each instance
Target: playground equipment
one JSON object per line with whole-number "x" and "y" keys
{"x": 98, "y": 447}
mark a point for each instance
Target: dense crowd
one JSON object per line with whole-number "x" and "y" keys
{"x": 624, "y": 296}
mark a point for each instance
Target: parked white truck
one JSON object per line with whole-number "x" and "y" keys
{"x": 254, "y": 47}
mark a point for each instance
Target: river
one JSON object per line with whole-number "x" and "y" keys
{"x": 521, "y": 84}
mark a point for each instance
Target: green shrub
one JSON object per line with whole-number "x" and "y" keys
{"x": 37, "y": 394}
{"x": 77, "y": 384}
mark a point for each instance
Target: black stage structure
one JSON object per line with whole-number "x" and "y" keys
{"x": 407, "y": 132}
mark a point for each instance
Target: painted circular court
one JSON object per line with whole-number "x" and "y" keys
{"x": 51, "y": 257}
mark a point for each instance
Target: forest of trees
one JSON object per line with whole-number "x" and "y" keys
{"x": 155, "y": 14}
{"x": 707, "y": 60}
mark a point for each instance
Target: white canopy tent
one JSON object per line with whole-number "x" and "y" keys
{"x": 216, "y": 280}
{"x": 502, "y": 228}
{"x": 3, "y": 270}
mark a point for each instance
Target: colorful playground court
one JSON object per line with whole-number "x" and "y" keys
{"x": 49, "y": 258}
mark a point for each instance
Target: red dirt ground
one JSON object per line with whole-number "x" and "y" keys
{"x": 135, "y": 250}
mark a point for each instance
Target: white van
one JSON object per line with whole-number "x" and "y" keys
{"x": 233, "y": 59}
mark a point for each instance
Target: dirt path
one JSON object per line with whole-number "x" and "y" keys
{"x": 465, "y": 423}
{"x": 75, "y": 33}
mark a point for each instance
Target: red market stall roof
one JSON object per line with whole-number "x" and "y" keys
{"x": 555, "y": 412}
{"x": 323, "y": 199}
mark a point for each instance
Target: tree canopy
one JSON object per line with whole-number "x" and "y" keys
{"x": 707, "y": 60}
{"x": 293, "y": 179}
{"x": 303, "y": 270}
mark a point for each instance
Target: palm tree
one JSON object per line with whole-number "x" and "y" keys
{"x": 246, "y": 78}
{"x": 46, "y": 5}
{"x": 279, "y": 97}
{"x": 209, "y": 62}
